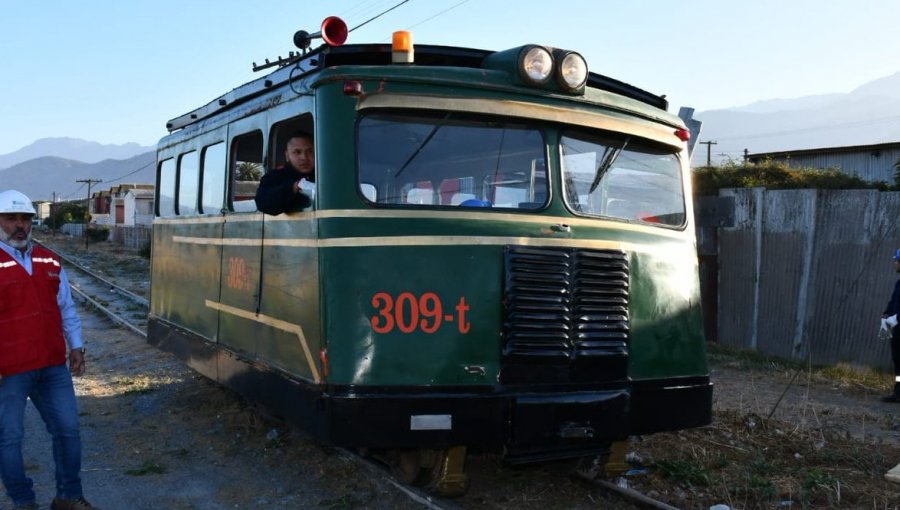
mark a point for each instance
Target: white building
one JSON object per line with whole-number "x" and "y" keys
{"x": 137, "y": 207}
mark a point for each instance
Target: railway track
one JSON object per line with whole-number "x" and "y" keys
{"x": 130, "y": 310}
{"x": 121, "y": 305}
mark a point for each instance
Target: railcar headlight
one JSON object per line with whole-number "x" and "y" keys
{"x": 572, "y": 72}
{"x": 535, "y": 64}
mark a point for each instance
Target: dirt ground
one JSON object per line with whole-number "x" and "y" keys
{"x": 159, "y": 436}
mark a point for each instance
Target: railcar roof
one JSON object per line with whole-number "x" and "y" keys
{"x": 380, "y": 54}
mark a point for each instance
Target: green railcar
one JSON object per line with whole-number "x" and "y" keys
{"x": 500, "y": 254}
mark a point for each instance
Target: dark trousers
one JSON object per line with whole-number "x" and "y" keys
{"x": 895, "y": 355}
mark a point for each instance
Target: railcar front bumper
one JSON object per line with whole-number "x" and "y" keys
{"x": 526, "y": 425}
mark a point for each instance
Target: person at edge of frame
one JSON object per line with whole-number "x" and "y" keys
{"x": 38, "y": 318}
{"x": 290, "y": 187}
{"x": 893, "y": 308}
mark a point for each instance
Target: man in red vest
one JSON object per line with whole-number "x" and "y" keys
{"x": 37, "y": 321}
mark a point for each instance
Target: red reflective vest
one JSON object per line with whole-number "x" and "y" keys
{"x": 31, "y": 333}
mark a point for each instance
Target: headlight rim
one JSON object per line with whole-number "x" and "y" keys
{"x": 521, "y": 64}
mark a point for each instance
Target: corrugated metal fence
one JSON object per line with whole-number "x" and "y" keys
{"x": 133, "y": 236}
{"x": 807, "y": 273}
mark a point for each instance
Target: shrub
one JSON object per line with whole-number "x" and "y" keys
{"x": 769, "y": 174}
{"x": 98, "y": 234}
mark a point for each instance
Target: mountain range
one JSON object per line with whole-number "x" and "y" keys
{"x": 72, "y": 148}
{"x": 51, "y": 168}
{"x": 870, "y": 114}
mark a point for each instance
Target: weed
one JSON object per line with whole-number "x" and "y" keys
{"x": 817, "y": 478}
{"x": 147, "y": 468}
{"x": 345, "y": 501}
{"x": 684, "y": 472}
{"x": 841, "y": 374}
{"x": 139, "y": 385}
{"x": 760, "y": 465}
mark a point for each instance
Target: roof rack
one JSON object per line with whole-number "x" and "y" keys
{"x": 380, "y": 54}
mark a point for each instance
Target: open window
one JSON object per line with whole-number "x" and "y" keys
{"x": 246, "y": 170}
{"x": 282, "y": 132}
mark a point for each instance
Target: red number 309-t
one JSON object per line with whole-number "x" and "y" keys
{"x": 408, "y": 313}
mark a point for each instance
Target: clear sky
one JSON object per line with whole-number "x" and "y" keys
{"x": 114, "y": 71}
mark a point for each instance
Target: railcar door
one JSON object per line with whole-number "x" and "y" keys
{"x": 242, "y": 241}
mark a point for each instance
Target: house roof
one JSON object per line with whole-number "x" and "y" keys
{"x": 141, "y": 193}
{"x": 825, "y": 150}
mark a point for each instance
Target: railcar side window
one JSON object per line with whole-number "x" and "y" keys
{"x": 424, "y": 160}
{"x": 166, "y": 200}
{"x": 625, "y": 179}
{"x": 213, "y": 178}
{"x": 188, "y": 183}
{"x": 246, "y": 170}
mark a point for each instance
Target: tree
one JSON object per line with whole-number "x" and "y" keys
{"x": 247, "y": 171}
{"x": 67, "y": 212}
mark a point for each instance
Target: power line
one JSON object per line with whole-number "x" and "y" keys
{"x": 132, "y": 172}
{"x": 448, "y": 9}
{"x": 373, "y": 18}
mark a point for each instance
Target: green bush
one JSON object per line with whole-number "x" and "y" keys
{"x": 708, "y": 180}
{"x": 97, "y": 235}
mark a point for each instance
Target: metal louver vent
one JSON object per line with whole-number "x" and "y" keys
{"x": 566, "y": 316}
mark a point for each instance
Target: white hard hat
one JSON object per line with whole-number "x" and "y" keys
{"x": 12, "y": 201}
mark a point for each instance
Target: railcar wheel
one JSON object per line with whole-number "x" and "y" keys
{"x": 441, "y": 472}
{"x": 406, "y": 465}
{"x": 446, "y": 475}
{"x": 609, "y": 464}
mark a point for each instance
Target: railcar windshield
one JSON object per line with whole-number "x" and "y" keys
{"x": 622, "y": 178}
{"x": 449, "y": 160}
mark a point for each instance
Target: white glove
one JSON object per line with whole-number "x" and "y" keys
{"x": 886, "y": 326}
{"x": 308, "y": 187}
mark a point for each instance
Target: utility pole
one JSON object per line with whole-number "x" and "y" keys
{"x": 709, "y": 151}
{"x": 88, "y": 212}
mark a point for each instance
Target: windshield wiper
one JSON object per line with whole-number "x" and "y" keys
{"x": 609, "y": 157}
{"x": 422, "y": 145}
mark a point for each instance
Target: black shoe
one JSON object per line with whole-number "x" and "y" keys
{"x": 71, "y": 504}
{"x": 891, "y": 398}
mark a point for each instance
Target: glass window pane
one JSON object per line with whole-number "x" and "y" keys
{"x": 214, "y": 178}
{"x": 425, "y": 160}
{"x": 167, "y": 188}
{"x": 188, "y": 183}
{"x": 622, "y": 178}
{"x": 247, "y": 169}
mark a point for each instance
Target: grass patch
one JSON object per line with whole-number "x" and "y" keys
{"x": 684, "y": 472}
{"x": 130, "y": 385}
{"x": 147, "y": 468}
{"x": 754, "y": 463}
{"x": 842, "y": 374}
{"x": 848, "y": 375}
{"x": 346, "y": 501}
